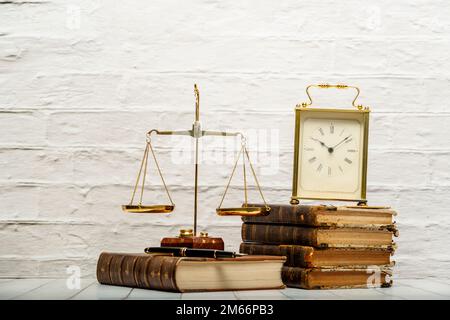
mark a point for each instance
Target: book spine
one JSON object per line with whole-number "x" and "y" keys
{"x": 140, "y": 272}
{"x": 296, "y": 256}
{"x": 115, "y": 269}
{"x": 295, "y": 277}
{"x": 287, "y": 214}
{"x": 128, "y": 271}
{"x": 279, "y": 234}
{"x": 103, "y": 264}
{"x": 146, "y": 271}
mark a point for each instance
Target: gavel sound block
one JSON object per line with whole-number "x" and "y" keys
{"x": 187, "y": 239}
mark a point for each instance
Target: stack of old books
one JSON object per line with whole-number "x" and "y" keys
{"x": 326, "y": 246}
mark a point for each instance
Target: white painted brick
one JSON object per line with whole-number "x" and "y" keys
{"x": 35, "y": 267}
{"x": 36, "y": 164}
{"x": 29, "y": 202}
{"x": 415, "y": 206}
{"x": 19, "y": 203}
{"x": 429, "y": 131}
{"x": 388, "y": 168}
{"x": 440, "y": 173}
{"x": 22, "y": 128}
{"x": 393, "y": 56}
{"x": 74, "y": 89}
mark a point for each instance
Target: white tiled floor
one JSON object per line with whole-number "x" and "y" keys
{"x": 91, "y": 289}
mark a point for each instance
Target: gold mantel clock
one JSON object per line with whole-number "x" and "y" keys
{"x": 330, "y": 151}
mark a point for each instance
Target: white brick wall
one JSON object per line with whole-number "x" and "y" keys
{"x": 81, "y": 82}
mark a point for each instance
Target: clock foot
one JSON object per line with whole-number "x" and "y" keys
{"x": 362, "y": 203}
{"x": 294, "y": 201}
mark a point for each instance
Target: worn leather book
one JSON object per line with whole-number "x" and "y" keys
{"x": 316, "y": 237}
{"x": 183, "y": 274}
{"x": 336, "y": 278}
{"x": 309, "y": 257}
{"x": 321, "y": 215}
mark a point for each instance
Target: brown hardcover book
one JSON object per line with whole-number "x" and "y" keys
{"x": 336, "y": 278}
{"x": 183, "y": 274}
{"x": 321, "y": 215}
{"x": 316, "y": 237}
{"x": 309, "y": 257}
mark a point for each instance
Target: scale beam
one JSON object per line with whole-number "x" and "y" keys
{"x": 192, "y": 134}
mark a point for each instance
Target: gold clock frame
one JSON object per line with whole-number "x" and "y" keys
{"x": 364, "y": 111}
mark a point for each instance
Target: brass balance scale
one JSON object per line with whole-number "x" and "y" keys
{"x": 188, "y": 237}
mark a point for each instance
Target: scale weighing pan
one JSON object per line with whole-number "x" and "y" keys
{"x": 243, "y": 211}
{"x": 159, "y": 208}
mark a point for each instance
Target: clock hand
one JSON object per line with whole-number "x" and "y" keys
{"x": 323, "y": 144}
{"x": 345, "y": 139}
{"x": 330, "y": 150}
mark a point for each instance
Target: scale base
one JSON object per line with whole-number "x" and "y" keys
{"x": 188, "y": 240}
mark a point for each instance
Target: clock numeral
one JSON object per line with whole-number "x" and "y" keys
{"x": 351, "y": 150}
{"x": 309, "y": 149}
{"x": 348, "y": 160}
{"x": 329, "y": 171}
{"x": 340, "y": 134}
{"x": 312, "y": 160}
{"x": 319, "y": 167}
{"x": 331, "y": 129}
{"x": 321, "y": 131}
{"x": 340, "y": 168}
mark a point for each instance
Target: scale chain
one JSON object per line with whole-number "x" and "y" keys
{"x": 145, "y": 174}
{"x": 160, "y": 173}
{"x": 231, "y": 176}
{"x": 244, "y": 153}
{"x": 256, "y": 179}
{"x": 144, "y": 165}
{"x": 139, "y": 174}
{"x": 245, "y": 182}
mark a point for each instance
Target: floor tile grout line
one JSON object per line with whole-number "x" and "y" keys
{"x": 362, "y": 294}
{"x": 74, "y": 295}
{"x": 392, "y": 296}
{"x": 31, "y": 290}
{"x": 336, "y": 295}
{"x": 445, "y": 282}
{"x": 236, "y": 297}
{"x": 128, "y": 294}
{"x": 405, "y": 297}
{"x": 284, "y": 294}
{"x": 426, "y": 290}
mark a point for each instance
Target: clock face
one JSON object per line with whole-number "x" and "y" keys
{"x": 330, "y": 157}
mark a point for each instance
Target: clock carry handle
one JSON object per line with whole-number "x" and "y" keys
{"x": 336, "y": 86}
